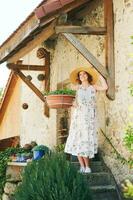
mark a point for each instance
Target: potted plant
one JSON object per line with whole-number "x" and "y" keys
{"x": 39, "y": 151}
{"x": 62, "y": 98}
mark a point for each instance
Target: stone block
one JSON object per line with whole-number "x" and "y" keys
{"x": 10, "y": 188}
{"x": 13, "y": 173}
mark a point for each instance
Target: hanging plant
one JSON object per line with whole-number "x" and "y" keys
{"x": 60, "y": 98}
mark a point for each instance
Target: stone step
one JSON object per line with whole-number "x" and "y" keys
{"x": 102, "y": 188}
{"x": 100, "y": 178}
{"x": 100, "y": 181}
{"x": 107, "y": 195}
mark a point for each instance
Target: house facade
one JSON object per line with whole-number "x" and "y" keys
{"x": 33, "y": 124}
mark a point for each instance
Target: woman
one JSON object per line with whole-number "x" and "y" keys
{"x": 82, "y": 139}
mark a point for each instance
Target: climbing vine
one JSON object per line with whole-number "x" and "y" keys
{"x": 128, "y": 138}
{"x": 118, "y": 155}
{"x": 131, "y": 89}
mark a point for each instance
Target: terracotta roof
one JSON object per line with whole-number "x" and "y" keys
{"x": 33, "y": 12}
{"x": 50, "y": 6}
{"x": 44, "y": 8}
{"x": 47, "y": 11}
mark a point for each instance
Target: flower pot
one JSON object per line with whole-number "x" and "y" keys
{"x": 59, "y": 101}
{"x": 38, "y": 154}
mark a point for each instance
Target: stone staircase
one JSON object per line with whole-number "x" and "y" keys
{"x": 101, "y": 181}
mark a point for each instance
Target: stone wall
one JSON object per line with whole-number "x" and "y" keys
{"x": 14, "y": 178}
{"x": 117, "y": 111}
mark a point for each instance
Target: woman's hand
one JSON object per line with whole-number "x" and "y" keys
{"x": 74, "y": 104}
{"x": 103, "y": 84}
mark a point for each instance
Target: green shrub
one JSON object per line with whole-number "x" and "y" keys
{"x": 52, "y": 178}
{"x": 127, "y": 187}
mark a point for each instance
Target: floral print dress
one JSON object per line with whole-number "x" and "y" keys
{"x": 82, "y": 139}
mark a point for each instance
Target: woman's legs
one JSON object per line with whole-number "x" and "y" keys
{"x": 86, "y": 161}
{"x": 87, "y": 165}
{"x": 81, "y": 161}
{"x": 84, "y": 164}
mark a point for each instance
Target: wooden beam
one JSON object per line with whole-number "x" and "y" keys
{"x": 47, "y": 82}
{"x": 29, "y": 84}
{"x": 86, "y": 53}
{"x": 81, "y": 30}
{"x": 26, "y": 67}
{"x": 44, "y": 35}
{"x": 110, "y": 62}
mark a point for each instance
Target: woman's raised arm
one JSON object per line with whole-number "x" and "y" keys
{"x": 103, "y": 84}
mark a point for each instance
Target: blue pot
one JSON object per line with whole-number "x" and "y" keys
{"x": 38, "y": 154}
{"x": 18, "y": 159}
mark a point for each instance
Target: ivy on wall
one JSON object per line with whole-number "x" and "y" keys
{"x": 123, "y": 160}
{"x": 128, "y": 138}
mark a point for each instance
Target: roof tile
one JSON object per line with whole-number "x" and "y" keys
{"x": 51, "y": 6}
{"x": 64, "y": 2}
{"x": 40, "y": 12}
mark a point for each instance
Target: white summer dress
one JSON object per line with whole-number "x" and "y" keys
{"x": 82, "y": 139}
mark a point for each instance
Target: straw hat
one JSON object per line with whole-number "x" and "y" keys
{"x": 89, "y": 70}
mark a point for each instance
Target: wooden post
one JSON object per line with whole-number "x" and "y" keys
{"x": 47, "y": 80}
{"x": 80, "y": 30}
{"x": 26, "y": 67}
{"x": 110, "y": 63}
{"x": 86, "y": 53}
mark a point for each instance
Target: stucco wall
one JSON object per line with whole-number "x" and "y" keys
{"x": 10, "y": 125}
{"x": 117, "y": 111}
{"x": 35, "y": 126}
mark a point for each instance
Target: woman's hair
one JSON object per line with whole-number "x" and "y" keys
{"x": 90, "y": 79}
